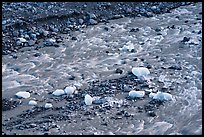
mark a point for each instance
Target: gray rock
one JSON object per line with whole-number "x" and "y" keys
{"x": 50, "y": 42}
{"x": 33, "y": 36}
{"x": 27, "y": 36}
{"x": 127, "y": 88}
{"x": 31, "y": 42}
{"x": 92, "y": 16}
{"x": 92, "y": 22}
{"x": 15, "y": 33}
{"x": 45, "y": 33}
{"x": 81, "y": 21}
{"x": 52, "y": 28}
{"x": 18, "y": 43}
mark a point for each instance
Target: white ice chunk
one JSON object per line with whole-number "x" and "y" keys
{"x": 48, "y": 105}
{"x": 69, "y": 90}
{"x": 23, "y": 94}
{"x": 58, "y": 92}
{"x": 161, "y": 96}
{"x": 32, "y": 102}
{"x": 140, "y": 71}
{"x": 88, "y": 99}
{"x": 22, "y": 40}
{"x": 52, "y": 40}
{"x": 138, "y": 94}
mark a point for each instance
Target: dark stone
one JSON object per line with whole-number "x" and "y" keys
{"x": 186, "y": 21}
{"x": 173, "y": 26}
{"x": 71, "y": 77}
{"x": 140, "y": 108}
{"x": 120, "y": 113}
{"x": 127, "y": 114}
{"x": 162, "y": 67}
{"x": 118, "y": 71}
{"x": 149, "y": 66}
{"x": 14, "y": 56}
{"x": 37, "y": 54}
{"x": 185, "y": 39}
{"x": 104, "y": 123}
{"x": 142, "y": 59}
{"x": 134, "y": 30}
{"x": 135, "y": 59}
{"x": 175, "y": 67}
{"x": 101, "y": 110}
{"x": 106, "y": 28}
{"x": 152, "y": 113}
{"x": 157, "y": 29}
{"x": 74, "y": 38}
{"x": 87, "y": 113}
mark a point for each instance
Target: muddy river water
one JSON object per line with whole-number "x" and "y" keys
{"x": 99, "y": 50}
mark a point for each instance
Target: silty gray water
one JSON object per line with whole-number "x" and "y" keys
{"x": 96, "y": 54}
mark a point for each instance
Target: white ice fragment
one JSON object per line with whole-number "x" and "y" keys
{"x": 140, "y": 71}
{"x": 32, "y": 102}
{"x": 23, "y": 94}
{"x": 161, "y": 96}
{"x": 48, "y": 105}
{"x": 52, "y": 40}
{"x": 69, "y": 90}
{"x": 88, "y": 99}
{"x": 136, "y": 94}
{"x": 58, "y": 92}
{"x": 22, "y": 40}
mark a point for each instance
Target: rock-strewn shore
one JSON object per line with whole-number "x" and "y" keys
{"x": 32, "y": 20}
